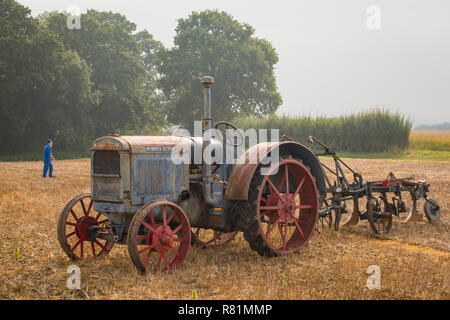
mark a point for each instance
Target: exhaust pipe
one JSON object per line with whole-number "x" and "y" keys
{"x": 207, "y": 83}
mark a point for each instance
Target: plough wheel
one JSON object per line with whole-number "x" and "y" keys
{"x": 72, "y": 229}
{"x": 325, "y": 219}
{"x": 209, "y": 238}
{"x": 325, "y": 222}
{"x": 282, "y": 210}
{"x": 380, "y": 221}
{"x": 161, "y": 228}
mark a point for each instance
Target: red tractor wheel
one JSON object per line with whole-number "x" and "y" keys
{"x": 72, "y": 229}
{"x": 280, "y": 216}
{"x": 207, "y": 238}
{"x": 162, "y": 228}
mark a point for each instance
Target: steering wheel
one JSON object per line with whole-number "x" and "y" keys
{"x": 228, "y": 125}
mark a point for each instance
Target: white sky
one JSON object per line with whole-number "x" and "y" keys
{"x": 330, "y": 62}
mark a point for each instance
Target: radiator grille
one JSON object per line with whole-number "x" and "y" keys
{"x": 107, "y": 162}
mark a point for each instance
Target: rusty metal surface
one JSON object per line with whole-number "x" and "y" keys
{"x": 155, "y": 176}
{"x": 146, "y": 172}
{"x": 241, "y": 175}
{"x": 161, "y": 144}
{"x": 111, "y": 143}
{"x": 111, "y": 188}
{"x": 244, "y": 169}
{"x": 138, "y": 144}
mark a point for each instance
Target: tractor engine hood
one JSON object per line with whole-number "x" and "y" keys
{"x": 152, "y": 144}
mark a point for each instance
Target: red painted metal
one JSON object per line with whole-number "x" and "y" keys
{"x": 244, "y": 169}
{"x": 80, "y": 229}
{"x": 161, "y": 239}
{"x": 293, "y": 213}
{"x": 210, "y": 238}
{"x": 392, "y": 181}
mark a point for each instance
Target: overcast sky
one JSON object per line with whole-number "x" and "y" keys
{"x": 331, "y": 63}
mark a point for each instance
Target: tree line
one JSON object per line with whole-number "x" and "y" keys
{"x": 73, "y": 85}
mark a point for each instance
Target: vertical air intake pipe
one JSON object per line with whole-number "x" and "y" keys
{"x": 207, "y": 123}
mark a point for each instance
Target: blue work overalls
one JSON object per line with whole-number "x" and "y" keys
{"x": 47, "y": 162}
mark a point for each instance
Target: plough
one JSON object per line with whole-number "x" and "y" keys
{"x": 384, "y": 198}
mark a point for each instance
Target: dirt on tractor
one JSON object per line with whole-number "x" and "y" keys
{"x": 414, "y": 258}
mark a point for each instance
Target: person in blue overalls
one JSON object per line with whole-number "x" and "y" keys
{"x": 48, "y": 157}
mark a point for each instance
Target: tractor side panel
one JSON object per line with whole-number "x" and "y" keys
{"x": 156, "y": 177}
{"x": 244, "y": 170}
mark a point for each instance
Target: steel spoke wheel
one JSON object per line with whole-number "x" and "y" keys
{"x": 287, "y": 209}
{"x": 159, "y": 237}
{"x": 380, "y": 220}
{"x": 325, "y": 222}
{"x": 207, "y": 238}
{"x": 282, "y": 209}
{"x": 73, "y": 224}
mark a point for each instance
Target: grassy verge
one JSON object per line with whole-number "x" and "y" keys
{"x": 424, "y": 145}
{"x": 441, "y": 156}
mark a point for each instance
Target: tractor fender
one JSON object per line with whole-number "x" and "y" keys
{"x": 245, "y": 167}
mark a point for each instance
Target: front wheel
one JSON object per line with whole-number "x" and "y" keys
{"x": 73, "y": 224}
{"x": 282, "y": 210}
{"x": 161, "y": 228}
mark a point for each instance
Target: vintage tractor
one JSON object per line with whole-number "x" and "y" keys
{"x": 141, "y": 197}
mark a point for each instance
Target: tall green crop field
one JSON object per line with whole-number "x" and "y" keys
{"x": 376, "y": 130}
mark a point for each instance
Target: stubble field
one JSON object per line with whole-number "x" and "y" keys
{"x": 414, "y": 259}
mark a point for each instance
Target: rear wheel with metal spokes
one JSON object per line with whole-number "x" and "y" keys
{"x": 281, "y": 213}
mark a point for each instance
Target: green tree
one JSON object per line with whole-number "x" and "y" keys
{"x": 214, "y": 43}
{"x": 44, "y": 89}
{"x": 122, "y": 69}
